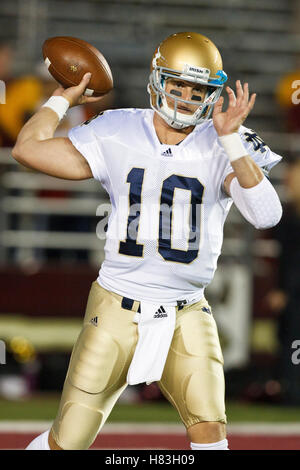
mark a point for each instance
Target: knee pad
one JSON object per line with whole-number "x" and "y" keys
{"x": 204, "y": 395}
{"x": 78, "y": 426}
{"x": 203, "y": 387}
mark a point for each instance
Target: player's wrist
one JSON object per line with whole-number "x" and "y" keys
{"x": 58, "y": 104}
{"x": 233, "y": 146}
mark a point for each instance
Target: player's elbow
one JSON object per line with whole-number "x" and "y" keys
{"x": 271, "y": 218}
{"x": 260, "y": 204}
{"x": 16, "y": 152}
{"x": 19, "y": 153}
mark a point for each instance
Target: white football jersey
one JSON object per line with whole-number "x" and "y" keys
{"x": 165, "y": 229}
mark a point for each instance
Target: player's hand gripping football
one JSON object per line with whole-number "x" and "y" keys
{"x": 75, "y": 94}
{"x": 239, "y": 106}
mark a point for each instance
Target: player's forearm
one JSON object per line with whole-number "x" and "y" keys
{"x": 247, "y": 172}
{"x": 39, "y": 128}
{"x": 251, "y": 191}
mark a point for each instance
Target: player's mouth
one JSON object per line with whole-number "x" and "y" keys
{"x": 184, "y": 109}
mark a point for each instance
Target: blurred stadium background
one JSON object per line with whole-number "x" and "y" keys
{"x": 50, "y": 254}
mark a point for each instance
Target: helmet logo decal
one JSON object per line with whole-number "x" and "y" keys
{"x": 222, "y": 78}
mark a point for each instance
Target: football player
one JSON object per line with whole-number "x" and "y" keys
{"x": 179, "y": 166}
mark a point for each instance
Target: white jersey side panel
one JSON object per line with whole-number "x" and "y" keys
{"x": 167, "y": 248}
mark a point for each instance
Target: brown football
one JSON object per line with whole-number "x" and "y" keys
{"x": 68, "y": 59}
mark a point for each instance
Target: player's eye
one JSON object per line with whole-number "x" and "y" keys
{"x": 179, "y": 84}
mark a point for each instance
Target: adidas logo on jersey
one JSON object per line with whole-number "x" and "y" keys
{"x": 160, "y": 313}
{"x": 167, "y": 153}
{"x": 94, "y": 321}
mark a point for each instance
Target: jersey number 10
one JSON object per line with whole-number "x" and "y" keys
{"x": 130, "y": 246}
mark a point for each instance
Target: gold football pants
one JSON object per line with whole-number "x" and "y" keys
{"x": 193, "y": 378}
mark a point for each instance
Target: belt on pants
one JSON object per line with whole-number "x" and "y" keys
{"x": 129, "y": 303}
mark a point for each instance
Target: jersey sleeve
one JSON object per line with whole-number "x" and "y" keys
{"x": 86, "y": 138}
{"x": 263, "y": 156}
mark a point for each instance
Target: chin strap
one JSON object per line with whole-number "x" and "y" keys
{"x": 168, "y": 115}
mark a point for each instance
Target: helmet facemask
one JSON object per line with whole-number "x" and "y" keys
{"x": 193, "y": 75}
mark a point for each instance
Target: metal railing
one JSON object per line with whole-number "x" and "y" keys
{"x": 24, "y": 214}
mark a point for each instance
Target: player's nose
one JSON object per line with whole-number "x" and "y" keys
{"x": 187, "y": 93}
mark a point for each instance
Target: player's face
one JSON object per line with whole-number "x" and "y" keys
{"x": 186, "y": 91}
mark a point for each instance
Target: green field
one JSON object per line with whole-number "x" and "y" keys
{"x": 45, "y": 407}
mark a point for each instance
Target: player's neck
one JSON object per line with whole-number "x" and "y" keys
{"x": 167, "y": 134}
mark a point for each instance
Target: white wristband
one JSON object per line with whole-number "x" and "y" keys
{"x": 58, "y": 104}
{"x": 233, "y": 146}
